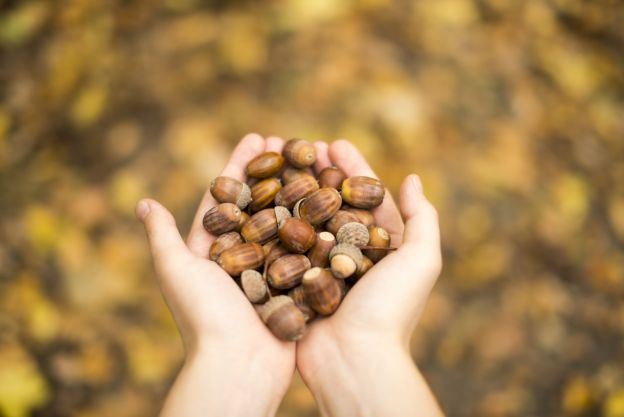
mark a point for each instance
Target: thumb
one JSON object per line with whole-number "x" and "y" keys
{"x": 421, "y": 240}
{"x": 162, "y": 233}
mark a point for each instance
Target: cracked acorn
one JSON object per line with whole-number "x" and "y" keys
{"x": 294, "y": 242}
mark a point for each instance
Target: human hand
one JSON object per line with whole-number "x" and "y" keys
{"x": 234, "y": 365}
{"x": 357, "y": 361}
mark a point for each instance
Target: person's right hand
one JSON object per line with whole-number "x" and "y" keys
{"x": 357, "y": 361}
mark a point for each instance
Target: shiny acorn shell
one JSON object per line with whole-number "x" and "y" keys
{"x": 364, "y": 216}
{"x": 291, "y": 174}
{"x": 363, "y": 192}
{"x": 299, "y": 153}
{"x": 354, "y": 233}
{"x": 262, "y": 226}
{"x": 296, "y": 235}
{"x": 265, "y": 165}
{"x": 283, "y": 318}
{"x": 263, "y": 193}
{"x": 320, "y": 206}
{"x": 319, "y": 253}
{"x": 230, "y": 190}
{"x": 241, "y": 257}
{"x": 339, "y": 219}
{"x": 331, "y": 177}
{"x": 295, "y": 191}
{"x": 223, "y": 242}
{"x": 378, "y": 238}
{"x": 322, "y": 291}
{"x": 287, "y": 271}
{"x": 298, "y": 296}
{"x": 242, "y": 221}
{"x": 222, "y": 218}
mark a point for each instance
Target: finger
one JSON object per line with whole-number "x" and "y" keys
{"x": 250, "y": 146}
{"x": 346, "y": 157}
{"x": 322, "y": 156}
{"x": 166, "y": 244}
{"x": 274, "y": 144}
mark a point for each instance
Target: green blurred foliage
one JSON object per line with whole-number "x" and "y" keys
{"x": 511, "y": 111}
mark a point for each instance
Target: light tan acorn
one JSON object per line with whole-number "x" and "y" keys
{"x": 283, "y": 318}
{"x": 320, "y": 206}
{"x": 363, "y": 192}
{"x": 296, "y": 190}
{"x": 331, "y": 177}
{"x": 299, "y": 153}
{"x": 366, "y": 265}
{"x": 298, "y": 296}
{"x": 354, "y": 233}
{"x": 364, "y": 216}
{"x": 254, "y": 286}
{"x": 241, "y": 257}
{"x": 345, "y": 259}
{"x": 319, "y": 253}
{"x": 223, "y": 242}
{"x": 265, "y": 165}
{"x": 339, "y": 219}
{"x": 287, "y": 271}
{"x": 263, "y": 193}
{"x": 296, "y": 235}
{"x": 291, "y": 174}
{"x": 322, "y": 290}
{"x": 379, "y": 238}
{"x": 222, "y": 218}
{"x": 262, "y": 226}
{"x": 230, "y": 190}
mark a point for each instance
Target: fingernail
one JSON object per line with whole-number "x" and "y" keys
{"x": 142, "y": 209}
{"x": 416, "y": 183}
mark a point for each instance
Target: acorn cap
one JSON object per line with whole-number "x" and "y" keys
{"x": 354, "y": 233}
{"x": 253, "y": 285}
{"x": 244, "y": 198}
{"x": 296, "y": 208}
{"x": 281, "y": 214}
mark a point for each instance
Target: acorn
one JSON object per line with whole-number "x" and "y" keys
{"x": 291, "y": 174}
{"x": 296, "y": 190}
{"x": 296, "y": 235}
{"x": 299, "y": 153}
{"x": 363, "y": 192}
{"x": 322, "y": 290}
{"x": 345, "y": 259}
{"x": 379, "y": 238}
{"x": 222, "y": 218}
{"x": 364, "y": 216}
{"x": 319, "y": 254}
{"x": 241, "y": 257}
{"x": 230, "y": 190}
{"x": 223, "y": 242}
{"x": 244, "y": 218}
{"x": 354, "y": 233}
{"x": 262, "y": 226}
{"x": 263, "y": 193}
{"x": 254, "y": 286}
{"x": 265, "y": 165}
{"x": 273, "y": 251}
{"x": 339, "y": 219}
{"x": 320, "y": 206}
{"x": 331, "y": 177}
{"x": 283, "y": 318}
{"x": 287, "y": 271}
{"x": 298, "y": 296}
{"x": 366, "y": 265}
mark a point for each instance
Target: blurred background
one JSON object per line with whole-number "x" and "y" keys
{"x": 511, "y": 111}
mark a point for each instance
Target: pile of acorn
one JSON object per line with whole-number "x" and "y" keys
{"x": 302, "y": 241}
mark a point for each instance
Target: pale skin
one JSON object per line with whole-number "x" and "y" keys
{"x": 355, "y": 362}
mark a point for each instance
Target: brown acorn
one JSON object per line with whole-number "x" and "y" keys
{"x": 244, "y": 218}
{"x": 273, "y": 251}
{"x": 364, "y": 216}
{"x": 296, "y": 235}
{"x": 379, "y": 238}
{"x": 322, "y": 290}
{"x": 222, "y": 218}
{"x": 241, "y": 257}
{"x": 265, "y": 165}
{"x": 296, "y": 190}
{"x": 263, "y": 193}
{"x": 298, "y": 296}
{"x": 320, "y": 206}
{"x": 262, "y": 226}
{"x": 319, "y": 254}
{"x": 331, "y": 177}
{"x": 366, "y": 265}
{"x": 354, "y": 233}
{"x": 230, "y": 190}
{"x": 299, "y": 153}
{"x": 287, "y": 271}
{"x": 283, "y": 318}
{"x": 363, "y": 192}
{"x": 339, "y": 219}
{"x": 291, "y": 174}
{"x": 345, "y": 259}
{"x": 223, "y": 242}
{"x": 254, "y": 286}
